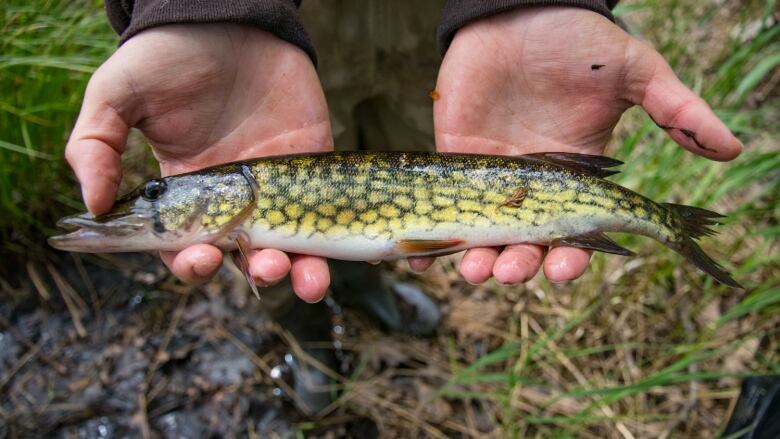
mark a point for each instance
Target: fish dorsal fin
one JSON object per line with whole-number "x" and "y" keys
{"x": 595, "y": 165}
{"x": 592, "y": 241}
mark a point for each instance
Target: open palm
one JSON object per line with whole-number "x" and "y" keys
{"x": 202, "y": 95}
{"x": 557, "y": 79}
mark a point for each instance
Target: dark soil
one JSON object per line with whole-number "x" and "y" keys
{"x": 125, "y": 357}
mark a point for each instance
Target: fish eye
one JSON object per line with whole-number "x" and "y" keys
{"x": 153, "y": 190}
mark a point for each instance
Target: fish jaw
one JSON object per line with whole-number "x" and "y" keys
{"x": 127, "y": 234}
{"x": 89, "y": 234}
{"x": 91, "y": 241}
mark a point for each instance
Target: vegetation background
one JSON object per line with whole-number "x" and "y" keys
{"x": 645, "y": 347}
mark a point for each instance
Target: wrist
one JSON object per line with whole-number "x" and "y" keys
{"x": 278, "y": 17}
{"x": 459, "y": 13}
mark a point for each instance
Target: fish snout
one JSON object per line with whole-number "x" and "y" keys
{"x": 106, "y": 233}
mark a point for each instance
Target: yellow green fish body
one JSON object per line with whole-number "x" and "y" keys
{"x": 389, "y": 205}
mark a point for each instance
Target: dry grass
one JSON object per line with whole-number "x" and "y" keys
{"x": 638, "y": 348}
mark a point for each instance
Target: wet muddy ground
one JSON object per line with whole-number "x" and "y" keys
{"x": 114, "y": 355}
{"x": 113, "y": 346}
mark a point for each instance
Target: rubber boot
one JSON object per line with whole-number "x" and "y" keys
{"x": 757, "y": 413}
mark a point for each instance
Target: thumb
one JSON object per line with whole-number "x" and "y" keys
{"x": 96, "y": 145}
{"x": 675, "y": 108}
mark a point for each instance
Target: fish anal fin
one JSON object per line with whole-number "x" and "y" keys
{"x": 240, "y": 257}
{"x": 595, "y": 165}
{"x": 427, "y": 246}
{"x": 592, "y": 241}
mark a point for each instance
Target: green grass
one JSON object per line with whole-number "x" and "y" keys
{"x": 48, "y": 49}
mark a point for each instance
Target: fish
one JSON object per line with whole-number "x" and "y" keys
{"x": 370, "y": 206}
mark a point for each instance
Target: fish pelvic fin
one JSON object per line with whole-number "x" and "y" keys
{"x": 696, "y": 222}
{"x": 595, "y": 165}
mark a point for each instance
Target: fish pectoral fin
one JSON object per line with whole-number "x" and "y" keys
{"x": 432, "y": 246}
{"x": 240, "y": 257}
{"x": 595, "y": 165}
{"x": 592, "y": 241}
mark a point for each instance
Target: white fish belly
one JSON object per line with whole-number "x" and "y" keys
{"x": 359, "y": 247}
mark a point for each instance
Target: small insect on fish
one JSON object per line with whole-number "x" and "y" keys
{"x": 367, "y": 206}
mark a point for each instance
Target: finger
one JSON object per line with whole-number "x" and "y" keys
{"x": 477, "y": 264}
{"x": 563, "y": 264}
{"x": 674, "y": 107}
{"x": 269, "y": 266}
{"x": 95, "y": 146}
{"x": 310, "y": 277}
{"x": 195, "y": 264}
{"x": 418, "y": 264}
{"x": 518, "y": 263}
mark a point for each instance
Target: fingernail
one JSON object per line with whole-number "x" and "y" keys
{"x": 202, "y": 268}
{"x": 310, "y": 281}
{"x": 473, "y": 282}
{"x": 270, "y": 271}
{"x": 260, "y": 283}
{"x": 313, "y": 301}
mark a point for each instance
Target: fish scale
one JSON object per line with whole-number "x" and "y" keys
{"x": 395, "y": 196}
{"x": 388, "y": 205}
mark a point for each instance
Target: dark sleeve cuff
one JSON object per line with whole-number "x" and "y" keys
{"x": 279, "y": 17}
{"x": 458, "y": 13}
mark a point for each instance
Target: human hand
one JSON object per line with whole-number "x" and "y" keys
{"x": 203, "y": 94}
{"x": 556, "y": 79}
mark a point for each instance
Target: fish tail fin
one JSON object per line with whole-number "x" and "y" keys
{"x": 696, "y": 222}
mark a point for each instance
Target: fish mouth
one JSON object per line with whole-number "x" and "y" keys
{"x": 106, "y": 233}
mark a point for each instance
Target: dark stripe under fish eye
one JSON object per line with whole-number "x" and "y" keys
{"x": 156, "y": 222}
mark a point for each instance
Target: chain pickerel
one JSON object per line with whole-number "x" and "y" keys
{"x": 389, "y": 205}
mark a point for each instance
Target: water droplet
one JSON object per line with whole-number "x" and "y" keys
{"x": 136, "y": 300}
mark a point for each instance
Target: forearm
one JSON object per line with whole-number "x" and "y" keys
{"x": 458, "y": 13}
{"x": 279, "y": 17}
